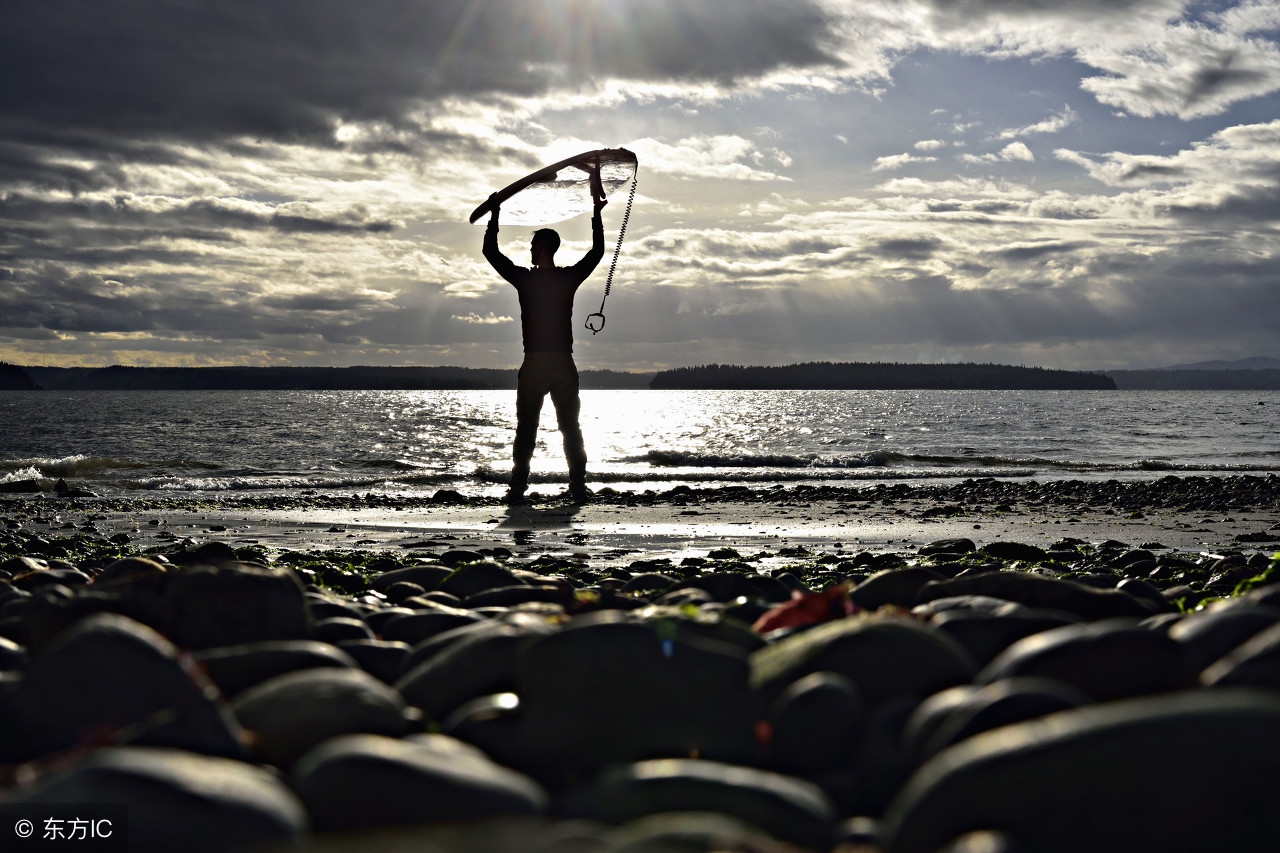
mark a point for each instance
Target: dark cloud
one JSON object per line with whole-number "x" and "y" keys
{"x": 1039, "y": 250}
{"x": 911, "y": 248}
{"x": 286, "y": 69}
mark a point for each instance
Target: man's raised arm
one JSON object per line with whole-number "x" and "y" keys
{"x": 492, "y": 253}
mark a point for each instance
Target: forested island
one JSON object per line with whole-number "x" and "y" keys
{"x": 879, "y": 376}
{"x": 120, "y": 378}
{"x": 810, "y": 375}
{"x": 1197, "y": 380}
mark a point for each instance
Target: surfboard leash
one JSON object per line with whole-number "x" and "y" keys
{"x": 622, "y": 232}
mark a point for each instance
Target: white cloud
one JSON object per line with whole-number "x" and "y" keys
{"x": 1053, "y": 124}
{"x": 1014, "y": 151}
{"x": 897, "y": 161}
{"x": 709, "y": 157}
{"x": 475, "y": 319}
{"x": 929, "y": 145}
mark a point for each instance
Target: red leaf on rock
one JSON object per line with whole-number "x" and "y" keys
{"x": 808, "y": 608}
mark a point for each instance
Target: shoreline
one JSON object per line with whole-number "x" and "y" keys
{"x": 1191, "y": 514}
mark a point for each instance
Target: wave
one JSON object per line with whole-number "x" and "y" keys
{"x": 82, "y": 466}
{"x": 889, "y": 459}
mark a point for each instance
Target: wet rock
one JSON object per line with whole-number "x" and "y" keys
{"x": 1132, "y": 558}
{"x": 292, "y": 713}
{"x": 649, "y": 582}
{"x": 359, "y": 781}
{"x": 985, "y": 635}
{"x": 769, "y": 589}
{"x": 207, "y": 554}
{"x": 883, "y": 657}
{"x": 1139, "y": 588}
{"x": 948, "y": 546}
{"x": 1013, "y": 551}
{"x": 377, "y": 619}
{"x": 606, "y": 690}
{"x": 13, "y": 657}
{"x": 998, "y": 704}
{"x": 789, "y": 809}
{"x": 50, "y": 577}
{"x": 234, "y": 603}
{"x": 975, "y": 604}
{"x": 1111, "y": 659}
{"x": 400, "y": 590}
{"x": 893, "y": 586}
{"x": 111, "y": 675}
{"x": 178, "y": 800}
{"x": 1041, "y": 592}
{"x": 1104, "y": 778}
{"x": 510, "y": 596}
{"x": 472, "y": 578}
{"x": 424, "y": 624}
{"x": 1255, "y": 663}
{"x": 1211, "y": 634}
{"x": 476, "y": 665}
{"x": 815, "y": 724}
{"x": 723, "y": 586}
{"x": 428, "y": 576}
{"x": 455, "y": 557}
{"x": 383, "y": 659}
{"x": 235, "y": 669}
{"x": 130, "y": 570}
{"x": 688, "y": 832}
{"x": 339, "y": 628}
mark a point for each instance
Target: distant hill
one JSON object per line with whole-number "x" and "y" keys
{"x": 1257, "y": 362}
{"x": 879, "y": 376}
{"x": 120, "y": 378}
{"x": 14, "y": 378}
{"x": 1197, "y": 379}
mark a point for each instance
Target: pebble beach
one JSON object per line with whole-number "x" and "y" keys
{"x": 985, "y": 665}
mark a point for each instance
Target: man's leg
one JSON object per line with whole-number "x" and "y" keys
{"x": 564, "y": 395}
{"x": 529, "y": 393}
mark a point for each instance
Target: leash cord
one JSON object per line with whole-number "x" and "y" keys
{"x": 622, "y": 232}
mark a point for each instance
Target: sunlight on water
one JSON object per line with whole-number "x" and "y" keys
{"x": 425, "y": 440}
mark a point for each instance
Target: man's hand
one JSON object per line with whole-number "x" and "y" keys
{"x": 597, "y": 188}
{"x": 494, "y": 206}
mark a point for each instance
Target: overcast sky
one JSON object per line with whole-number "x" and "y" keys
{"x": 1065, "y": 183}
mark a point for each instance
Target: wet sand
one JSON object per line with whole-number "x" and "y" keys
{"x": 1198, "y": 515}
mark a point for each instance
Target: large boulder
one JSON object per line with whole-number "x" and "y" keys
{"x": 815, "y": 724}
{"x": 883, "y": 657}
{"x": 787, "y": 808}
{"x": 1255, "y": 663}
{"x": 108, "y": 675}
{"x": 893, "y": 586}
{"x": 1042, "y": 592}
{"x": 1189, "y": 771}
{"x": 359, "y": 781}
{"x": 1111, "y": 659}
{"x": 177, "y": 800}
{"x": 234, "y": 603}
{"x": 1212, "y": 634}
{"x": 235, "y": 669}
{"x": 479, "y": 664}
{"x": 292, "y": 713}
{"x": 606, "y": 690}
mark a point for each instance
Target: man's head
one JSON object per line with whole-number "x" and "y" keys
{"x": 543, "y": 247}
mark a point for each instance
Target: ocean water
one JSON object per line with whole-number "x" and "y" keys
{"x": 404, "y": 442}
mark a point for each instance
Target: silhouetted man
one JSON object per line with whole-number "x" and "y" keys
{"x": 546, "y": 317}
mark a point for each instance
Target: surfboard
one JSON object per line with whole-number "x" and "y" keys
{"x": 560, "y": 191}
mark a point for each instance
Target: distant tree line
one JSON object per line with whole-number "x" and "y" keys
{"x": 14, "y": 378}
{"x": 1197, "y": 380}
{"x": 121, "y": 378}
{"x": 874, "y": 376}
